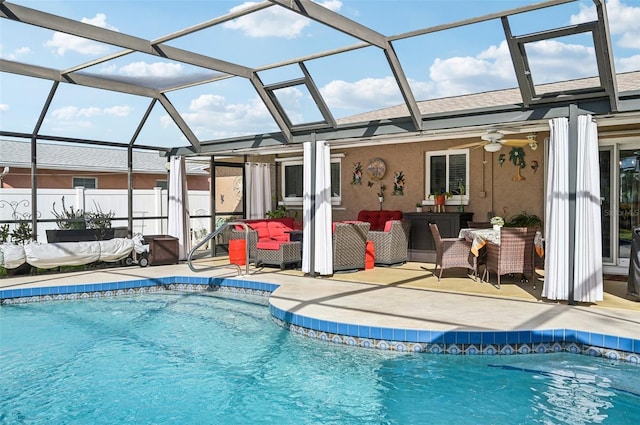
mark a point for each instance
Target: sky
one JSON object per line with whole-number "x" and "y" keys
{"x": 446, "y": 63}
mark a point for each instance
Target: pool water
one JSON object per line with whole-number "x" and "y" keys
{"x": 181, "y": 358}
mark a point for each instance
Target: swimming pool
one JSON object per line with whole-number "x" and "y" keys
{"x": 208, "y": 358}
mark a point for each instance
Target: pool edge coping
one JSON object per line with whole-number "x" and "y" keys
{"x": 483, "y": 342}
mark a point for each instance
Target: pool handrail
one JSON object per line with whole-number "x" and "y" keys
{"x": 214, "y": 234}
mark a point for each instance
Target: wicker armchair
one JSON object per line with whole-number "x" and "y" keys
{"x": 349, "y": 245}
{"x": 391, "y": 245}
{"x": 252, "y": 241}
{"x": 513, "y": 255}
{"x": 452, "y": 252}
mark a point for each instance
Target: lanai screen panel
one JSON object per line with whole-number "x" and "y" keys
{"x": 264, "y": 37}
{"x": 150, "y": 71}
{"x": 160, "y": 130}
{"x": 52, "y": 49}
{"x": 221, "y": 109}
{"x": 455, "y": 62}
{"x": 15, "y": 113}
{"x": 93, "y": 114}
{"x": 355, "y": 82}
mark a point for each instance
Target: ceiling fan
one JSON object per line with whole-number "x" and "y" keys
{"x": 493, "y": 140}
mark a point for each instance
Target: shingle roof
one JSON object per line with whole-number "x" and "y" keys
{"x": 87, "y": 158}
{"x": 626, "y": 82}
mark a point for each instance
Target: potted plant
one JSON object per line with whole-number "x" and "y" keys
{"x": 100, "y": 221}
{"x": 525, "y": 219}
{"x": 75, "y": 225}
{"x": 418, "y": 206}
{"x": 497, "y": 222}
{"x": 439, "y": 199}
{"x": 381, "y": 193}
{"x": 280, "y": 211}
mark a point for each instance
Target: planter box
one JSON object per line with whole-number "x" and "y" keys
{"x": 163, "y": 249}
{"x": 79, "y": 235}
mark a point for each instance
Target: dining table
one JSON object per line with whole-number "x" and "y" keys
{"x": 480, "y": 237}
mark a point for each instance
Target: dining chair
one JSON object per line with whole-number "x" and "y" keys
{"x": 514, "y": 254}
{"x": 452, "y": 252}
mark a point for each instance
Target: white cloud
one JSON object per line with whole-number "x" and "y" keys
{"x": 17, "y": 53}
{"x": 156, "y": 69}
{"x": 624, "y": 21}
{"x": 4, "y": 107}
{"x": 632, "y": 63}
{"x": 66, "y": 113}
{"x": 488, "y": 70}
{"x": 556, "y": 61}
{"x": 492, "y": 69}
{"x": 73, "y": 112}
{"x": 362, "y": 94}
{"x": 210, "y": 116}
{"x": 274, "y": 21}
{"x": 118, "y": 111}
{"x": 62, "y": 42}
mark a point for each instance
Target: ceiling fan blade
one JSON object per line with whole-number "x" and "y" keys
{"x": 469, "y": 145}
{"x": 516, "y": 142}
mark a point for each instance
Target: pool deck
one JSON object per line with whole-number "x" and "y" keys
{"x": 407, "y": 296}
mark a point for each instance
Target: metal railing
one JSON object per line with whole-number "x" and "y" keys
{"x": 213, "y": 235}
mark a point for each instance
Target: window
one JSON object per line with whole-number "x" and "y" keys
{"x": 293, "y": 177}
{"x": 86, "y": 182}
{"x": 162, "y": 184}
{"x": 448, "y": 170}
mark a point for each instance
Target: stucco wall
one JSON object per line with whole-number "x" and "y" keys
{"x": 503, "y": 196}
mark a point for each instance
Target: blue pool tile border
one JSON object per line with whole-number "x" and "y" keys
{"x": 397, "y": 339}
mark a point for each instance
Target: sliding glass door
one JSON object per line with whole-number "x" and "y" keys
{"x": 629, "y": 206}
{"x": 620, "y": 200}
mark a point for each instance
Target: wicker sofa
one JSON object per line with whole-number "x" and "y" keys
{"x": 378, "y": 218}
{"x": 265, "y": 230}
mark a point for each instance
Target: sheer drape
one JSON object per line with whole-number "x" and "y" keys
{"x": 588, "y": 278}
{"x": 317, "y": 210}
{"x": 258, "y": 181}
{"x": 178, "y": 210}
{"x": 557, "y": 213}
{"x": 587, "y": 270}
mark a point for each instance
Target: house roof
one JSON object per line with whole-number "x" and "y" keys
{"x": 87, "y": 158}
{"x": 627, "y": 82}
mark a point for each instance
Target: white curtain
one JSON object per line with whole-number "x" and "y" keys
{"x": 258, "y": 181}
{"x": 556, "y": 275}
{"x": 588, "y": 280}
{"x": 317, "y": 206}
{"x": 178, "y": 212}
{"x": 587, "y": 265}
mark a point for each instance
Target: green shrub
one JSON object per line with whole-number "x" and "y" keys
{"x": 525, "y": 219}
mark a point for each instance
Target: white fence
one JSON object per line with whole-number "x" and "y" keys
{"x": 16, "y": 204}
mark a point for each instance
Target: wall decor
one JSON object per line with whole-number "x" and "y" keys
{"x": 516, "y": 156}
{"x": 398, "y": 184}
{"x": 534, "y": 166}
{"x": 357, "y": 173}
{"x": 376, "y": 169}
